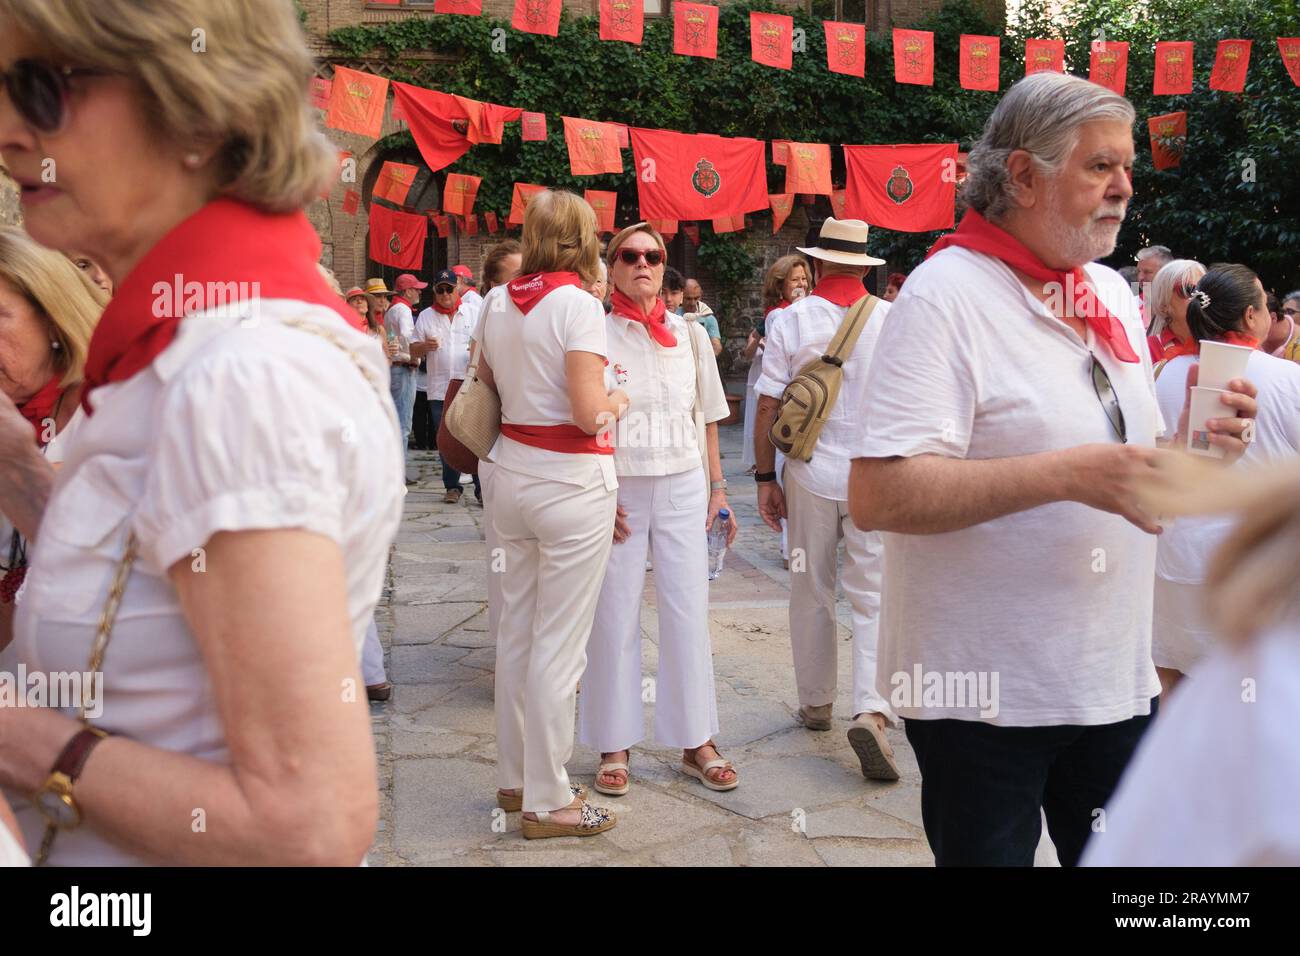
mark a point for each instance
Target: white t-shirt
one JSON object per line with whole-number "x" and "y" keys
{"x": 230, "y": 428}
{"x": 795, "y": 336}
{"x": 1188, "y": 543}
{"x": 432, "y": 324}
{"x": 657, "y": 436}
{"x": 399, "y": 321}
{"x": 1215, "y": 779}
{"x": 462, "y": 328}
{"x": 1056, "y": 600}
{"x": 526, "y": 354}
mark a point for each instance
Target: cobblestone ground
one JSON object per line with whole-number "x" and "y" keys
{"x": 802, "y": 799}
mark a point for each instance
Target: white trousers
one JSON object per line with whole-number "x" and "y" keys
{"x": 495, "y": 566}
{"x": 816, "y": 526}
{"x": 554, "y": 540}
{"x": 372, "y": 657}
{"x": 672, "y": 509}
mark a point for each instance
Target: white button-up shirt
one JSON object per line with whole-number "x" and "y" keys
{"x": 797, "y": 335}
{"x": 657, "y": 436}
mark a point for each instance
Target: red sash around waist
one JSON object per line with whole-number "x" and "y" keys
{"x": 569, "y": 439}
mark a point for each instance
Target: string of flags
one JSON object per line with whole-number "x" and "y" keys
{"x": 699, "y": 176}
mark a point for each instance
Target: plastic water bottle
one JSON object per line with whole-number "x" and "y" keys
{"x": 718, "y": 543}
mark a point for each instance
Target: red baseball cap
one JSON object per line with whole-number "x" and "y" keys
{"x": 463, "y": 272}
{"x": 407, "y": 281}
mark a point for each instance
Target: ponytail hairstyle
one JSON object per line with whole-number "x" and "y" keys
{"x": 1220, "y": 299}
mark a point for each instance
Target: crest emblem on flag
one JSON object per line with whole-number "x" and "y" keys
{"x": 621, "y": 16}
{"x": 1174, "y": 62}
{"x": 846, "y": 51}
{"x": 1042, "y": 61}
{"x": 979, "y": 61}
{"x": 770, "y": 38}
{"x": 461, "y": 126}
{"x": 395, "y": 244}
{"x": 914, "y": 56}
{"x": 899, "y": 186}
{"x": 695, "y": 27}
{"x": 1107, "y": 63}
{"x": 705, "y": 179}
{"x": 537, "y": 11}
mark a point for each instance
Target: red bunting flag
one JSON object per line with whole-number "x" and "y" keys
{"x": 351, "y": 202}
{"x": 914, "y": 57}
{"x": 780, "y": 152}
{"x": 1168, "y": 138}
{"x": 622, "y": 20}
{"x": 395, "y": 181}
{"x": 1044, "y": 56}
{"x": 770, "y": 39}
{"x": 623, "y": 141}
{"x": 593, "y": 147}
{"x": 357, "y": 102}
{"x": 533, "y": 127}
{"x": 442, "y": 223}
{"x": 978, "y": 66}
{"x": 904, "y": 188}
{"x": 537, "y": 16}
{"x": 469, "y": 224}
{"x": 397, "y": 238}
{"x": 396, "y": 112}
{"x": 519, "y": 201}
{"x": 472, "y": 8}
{"x": 839, "y": 203}
{"x": 1231, "y": 59}
{"x": 808, "y": 170}
{"x": 695, "y": 30}
{"x": 782, "y": 205}
{"x": 1108, "y": 65}
{"x": 666, "y": 228}
{"x": 729, "y": 224}
{"x": 459, "y": 193}
{"x": 1173, "y": 67}
{"x": 692, "y": 230}
{"x": 697, "y": 176}
{"x": 446, "y": 126}
{"x": 604, "y": 203}
{"x": 1289, "y": 47}
{"x": 490, "y": 218}
{"x": 846, "y": 47}
{"x": 320, "y": 92}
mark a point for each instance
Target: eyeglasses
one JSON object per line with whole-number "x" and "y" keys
{"x": 39, "y": 92}
{"x": 1290, "y": 311}
{"x": 631, "y": 257}
{"x": 1109, "y": 401}
{"x": 444, "y": 289}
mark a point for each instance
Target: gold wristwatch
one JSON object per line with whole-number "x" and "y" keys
{"x": 55, "y": 799}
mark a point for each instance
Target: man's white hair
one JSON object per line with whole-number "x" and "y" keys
{"x": 1040, "y": 114}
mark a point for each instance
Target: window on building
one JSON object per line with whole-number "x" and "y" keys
{"x": 842, "y": 11}
{"x": 654, "y": 8}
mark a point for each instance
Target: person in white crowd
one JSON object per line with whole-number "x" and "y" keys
{"x": 470, "y": 299}
{"x": 1214, "y": 782}
{"x": 1149, "y": 261}
{"x": 1283, "y": 338}
{"x": 1167, "y": 306}
{"x": 399, "y": 326}
{"x": 1227, "y": 304}
{"x": 551, "y": 500}
{"x": 670, "y": 491}
{"x": 442, "y": 339}
{"x": 786, "y": 281}
{"x": 1011, "y": 409}
{"x": 815, "y": 496}
{"x": 692, "y": 304}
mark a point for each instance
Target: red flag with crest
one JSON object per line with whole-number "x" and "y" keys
{"x": 395, "y": 181}
{"x": 473, "y": 8}
{"x": 1044, "y": 56}
{"x": 904, "y": 188}
{"x": 593, "y": 147}
{"x": 397, "y": 238}
{"x": 1168, "y": 138}
{"x": 846, "y": 47}
{"x": 697, "y": 176}
{"x": 459, "y": 193}
{"x": 1173, "y": 67}
{"x": 533, "y": 127}
{"x": 446, "y": 126}
{"x": 519, "y": 201}
{"x": 695, "y": 30}
{"x": 770, "y": 39}
{"x": 1289, "y": 47}
{"x": 914, "y": 57}
{"x": 537, "y": 16}
{"x": 808, "y": 169}
{"x": 1108, "y": 65}
{"x": 604, "y": 203}
{"x": 357, "y": 102}
{"x": 782, "y": 205}
{"x": 622, "y": 20}
{"x": 978, "y": 64}
{"x": 1231, "y": 59}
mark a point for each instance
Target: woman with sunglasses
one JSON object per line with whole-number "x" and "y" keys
{"x": 1226, "y": 305}
{"x": 215, "y": 543}
{"x": 670, "y": 492}
{"x": 1167, "y": 305}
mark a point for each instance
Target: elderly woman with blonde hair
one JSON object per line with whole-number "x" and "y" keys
{"x": 1170, "y": 291}
{"x": 215, "y": 542}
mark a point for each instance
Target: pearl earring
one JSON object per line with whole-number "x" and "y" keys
{"x": 55, "y": 345}
{"x": 193, "y": 160}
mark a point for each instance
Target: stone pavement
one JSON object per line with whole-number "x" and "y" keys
{"x": 802, "y": 799}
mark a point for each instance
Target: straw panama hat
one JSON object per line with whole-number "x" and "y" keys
{"x": 377, "y": 287}
{"x": 843, "y": 241}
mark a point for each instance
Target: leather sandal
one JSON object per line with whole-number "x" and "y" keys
{"x": 692, "y": 769}
{"x": 593, "y": 820}
{"x": 614, "y": 767}
{"x": 514, "y": 802}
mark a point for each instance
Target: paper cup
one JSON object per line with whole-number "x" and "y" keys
{"x": 1221, "y": 363}
{"x": 1205, "y": 405}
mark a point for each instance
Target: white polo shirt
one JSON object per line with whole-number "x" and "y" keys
{"x": 797, "y": 335}
{"x": 657, "y": 435}
{"x": 1056, "y": 600}
{"x": 526, "y": 354}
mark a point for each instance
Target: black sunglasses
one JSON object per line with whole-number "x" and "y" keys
{"x": 39, "y": 91}
{"x": 632, "y": 256}
{"x": 443, "y": 289}
{"x": 1109, "y": 401}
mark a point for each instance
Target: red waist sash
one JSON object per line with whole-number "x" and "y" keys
{"x": 569, "y": 439}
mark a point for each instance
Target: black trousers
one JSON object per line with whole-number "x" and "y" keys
{"x": 982, "y": 786}
{"x": 424, "y": 430}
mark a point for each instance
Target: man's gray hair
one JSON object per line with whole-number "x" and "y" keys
{"x": 1040, "y": 114}
{"x": 1163, "y": 253}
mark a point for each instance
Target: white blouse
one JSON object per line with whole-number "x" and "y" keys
{"x": 231, "y": 428}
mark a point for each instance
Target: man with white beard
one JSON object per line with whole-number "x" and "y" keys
{"x": 1011, "y": 411}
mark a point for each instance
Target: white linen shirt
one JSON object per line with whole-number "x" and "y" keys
{"x": 231, "y": 428}
{"x": 527, "y": 356}
{"x": 1056, "y": 600}
{"x": 432, "y": 324}
{"x": 657, "y": 435}
{"x": 795, "y": 336}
